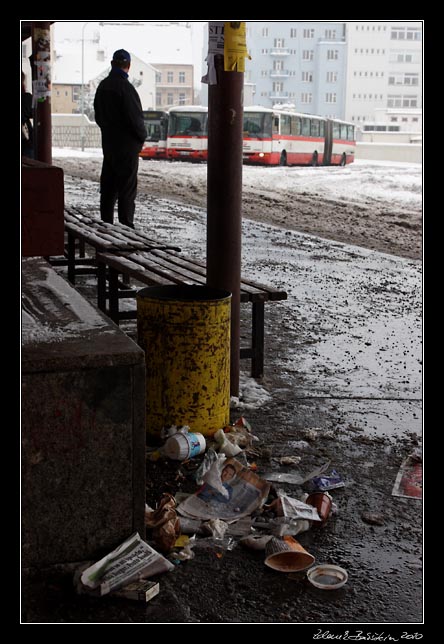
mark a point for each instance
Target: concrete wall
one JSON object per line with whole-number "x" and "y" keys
{"x": 407, "y": 152}
{"x": 83, "y": 425}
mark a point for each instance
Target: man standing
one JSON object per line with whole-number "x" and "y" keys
{"x": 119, "y": 115}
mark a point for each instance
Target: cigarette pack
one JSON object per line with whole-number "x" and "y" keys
{"x": 141, "y": 591}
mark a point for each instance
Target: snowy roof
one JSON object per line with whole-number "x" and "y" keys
{"x": 67, "y": 67}
{"x": 153, "y": 43}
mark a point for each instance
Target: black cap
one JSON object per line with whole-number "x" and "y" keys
{"x": 121, "y": 56}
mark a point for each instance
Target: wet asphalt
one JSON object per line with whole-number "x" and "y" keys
{"x": 343, "y": 373}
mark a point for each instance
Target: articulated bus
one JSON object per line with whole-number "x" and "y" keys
{"x": 188, "y": 133}
{"x": 156, "y": 123}
{"x": 284, "y": 137}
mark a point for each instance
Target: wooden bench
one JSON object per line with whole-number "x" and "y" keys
{"x": 84, "y": 230}
{"x": 165, "y": 267}
{"x": 120, "y": 251}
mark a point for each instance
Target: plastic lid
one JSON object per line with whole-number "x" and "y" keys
{"x": 177, "y": 447}
{"x": 327, "y": 576}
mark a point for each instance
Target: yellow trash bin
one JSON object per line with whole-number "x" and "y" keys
{"x": 185, "y": 333}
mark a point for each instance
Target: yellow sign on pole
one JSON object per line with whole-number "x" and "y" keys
{"x": 235, "y": 46}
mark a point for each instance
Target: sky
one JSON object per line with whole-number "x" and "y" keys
{"x": 127, "y": 35}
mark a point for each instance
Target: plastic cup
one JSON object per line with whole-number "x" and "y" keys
{"x": 181, "y": 446}
{"x": 287, "y": 555}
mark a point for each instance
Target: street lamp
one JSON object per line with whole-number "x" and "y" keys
{"x": 82, "y": 100}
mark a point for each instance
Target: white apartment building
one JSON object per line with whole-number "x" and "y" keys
{"x": 384, "y": 72}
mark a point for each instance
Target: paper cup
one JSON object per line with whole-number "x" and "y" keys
{"x": 287, "y": 555}
{"x": 322, "y": 501}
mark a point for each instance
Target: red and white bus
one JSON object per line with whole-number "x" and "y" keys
{"x": 188, "y": 133}
{"x": 156, "y": 123}
{"x": 285, "y": 137}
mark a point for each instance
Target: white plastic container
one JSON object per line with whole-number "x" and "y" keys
{"x": 184, "y": 445}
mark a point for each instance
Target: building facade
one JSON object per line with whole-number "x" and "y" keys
{"x": 384, "y": 71}
{"x": 298, "y": 63}
{"x": 174, "y": 85}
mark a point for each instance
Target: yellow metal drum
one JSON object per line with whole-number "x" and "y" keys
{"x": 185, "y": 333}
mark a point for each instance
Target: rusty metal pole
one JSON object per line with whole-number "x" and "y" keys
{"x": 41, "y": 55}
{"x": 224, "y": 197}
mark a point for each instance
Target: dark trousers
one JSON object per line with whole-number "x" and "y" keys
{"x": 118, "y": 182}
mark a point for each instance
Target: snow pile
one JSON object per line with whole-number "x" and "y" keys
{"x": 251, "y": 394}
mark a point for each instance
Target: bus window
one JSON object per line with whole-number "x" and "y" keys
{"x": 322, "y": 128}
{"x": 343, "y": 132}
{"x": 257, "y": 124}
{"x": 153, "y": 131}
{"x": 314, "y": 128}
{"x": 350, "y": 133}
{"x": 336, "y": 131}
{"x": 276, "y": 125}
{"x": 306, "y": 127}
{"x": 295, "y": 125}
{"x": 285, "y": 124}
{"x": 181, "y": 123}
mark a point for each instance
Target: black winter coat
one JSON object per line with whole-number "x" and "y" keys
{"x": 119, "y": 115}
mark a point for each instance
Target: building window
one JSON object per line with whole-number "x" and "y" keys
{"x": 170, "y": 99}
{"x": 292, "y": 33}
{"x": 182, "y": 98}
{"x": 411, "y": 79}
{"x": 76, "y": 94}
{"x": 158, "y": 77}
{"x": 307, "y": 54}
{"x": 264, "y": 51}
{"x": 278, "y": 65}
{"x": 330, "y": 34}
{"x": 308, "y": 33}
{"x": 405, "y": 33}
{"x": 330, "y": 97}
{"x": 400, "y": 56}
{"x": 181, "y": 77}
{"x": 332, "y": 77}
{"x": 278, "y": 86}
{"x": 278, "y": 43}
{"x": 264, "y": 72}
{"x": 403, "y": 79}
{"x": 306, "y": 97}
{"x": 158, "y": 98}
{"x": 332, "y": 54}
{"x": 264, "y": 32}
{"x": 170, "y": 77}
{"x": 397, "y": 100}
{"x": 307, "y": 77}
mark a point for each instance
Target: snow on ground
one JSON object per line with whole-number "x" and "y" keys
{"x": 379, "y": 180}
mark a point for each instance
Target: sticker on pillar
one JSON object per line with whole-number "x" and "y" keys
{"x": 235, "y": 47}
{"x": 215, "y": 46}
{"x": 41, "y": 87}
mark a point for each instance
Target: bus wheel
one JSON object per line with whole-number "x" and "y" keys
{"x": 283, "y": 159}
{"x": 343, "y": 160}
{"x": 314, "y": 159}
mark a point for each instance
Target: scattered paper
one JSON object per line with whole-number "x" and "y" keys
{"x": 245, "y": 492}
{"x": 134, "y": 559}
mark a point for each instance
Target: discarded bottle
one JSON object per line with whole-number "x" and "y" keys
{"x": 184, "y": 445}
